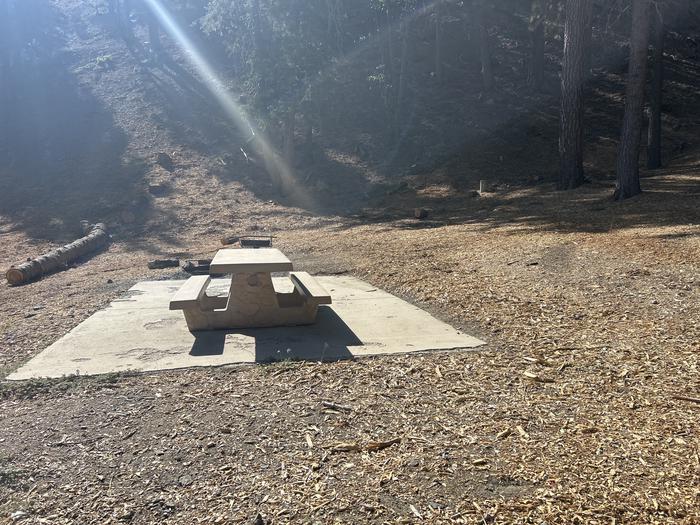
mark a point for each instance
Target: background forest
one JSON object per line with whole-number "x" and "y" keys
{"x": 510, "y": 92}
{"x": 408, "y": 74}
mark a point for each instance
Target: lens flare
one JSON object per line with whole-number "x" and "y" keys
{"x": 281, "y": 173}
{"x": 275, "y": 164}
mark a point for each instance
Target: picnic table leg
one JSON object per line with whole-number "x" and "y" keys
{"x": 253, "y": 302}
{"x": 252, "y": 297}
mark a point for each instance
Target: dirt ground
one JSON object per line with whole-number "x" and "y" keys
{"x": 574, "y": 412}
{"x": 584, "y": 406}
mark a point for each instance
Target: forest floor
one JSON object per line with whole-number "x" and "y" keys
{"x": 582, "y": 408}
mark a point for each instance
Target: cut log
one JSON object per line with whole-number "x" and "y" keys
{"x": 159, "y": 264}
{"x": 198, "y": 267}
{"x": 229, "y": 239}
{"x": 58, "y": 258}
{"x": 255, "y": 241}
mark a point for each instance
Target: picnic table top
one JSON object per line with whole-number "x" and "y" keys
{"x": 250, "y": 260}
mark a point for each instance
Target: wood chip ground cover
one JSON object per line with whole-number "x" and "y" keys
{"x": 576, "y": 412}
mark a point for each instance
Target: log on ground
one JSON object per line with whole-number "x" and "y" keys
{"x": 58, "y": 258}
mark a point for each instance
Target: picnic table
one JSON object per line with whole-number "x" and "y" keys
{"x": 252, "y": 300}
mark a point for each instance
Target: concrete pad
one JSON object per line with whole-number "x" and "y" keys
{"x": 138, "y": 332}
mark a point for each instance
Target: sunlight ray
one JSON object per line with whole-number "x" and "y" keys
{"x": 274, "y": 162}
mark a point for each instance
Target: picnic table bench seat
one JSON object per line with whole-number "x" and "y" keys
{"x": 252, "y": 301}
{"x": 190, "y": 294}
{"x": 309, "y": 287}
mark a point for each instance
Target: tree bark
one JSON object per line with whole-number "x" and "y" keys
{"x": 484, "y": 45}
{"x": 535, "y": 75}
{"x": 572, "y": 83}
{"x": 4, "y": 69}
{"x": 58, "y": 258}
{"x": 631, "y": 136}
{"x": 438, "y": 41}
{"x": 654, "y": 136}
{"x": 588, "y": 42}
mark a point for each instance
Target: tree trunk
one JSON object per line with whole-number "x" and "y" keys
{"x": 683, "y": 14}
{"x": 535, "y": 75}
{"x": 289, "y": 150}
{"x": 484, "y": 45}
{"x": 654, "y": 136}
{"x": 403, "y": 72}
{"x": 4, "y": 70}
{"x": 126, "y": 8}
{"x": 334, "y": 27}
{"x": 306, "y": 109}
{"x": 257, "y": 43}
{"x": 153, "y": 29}
{"x": 259, "y": 66}
{"x": 123, "y": 18}
{"x": 572, "y": 82}
{"x": 631, "y": 136}
{"x": 308, "y": 131}
{"x": 588, "y": 43}
{"x": 390, "y": 72}
{"x": 438, "y": 42}
{"x": 404, "y": 62}
{"x": 58, "y": 258}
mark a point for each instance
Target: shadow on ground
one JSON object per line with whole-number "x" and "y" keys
{"x": 329, "y": 339}
{"x": 518, "y": 159}
{"x": 62, "y": 154}
{"x": 669, "y": 198}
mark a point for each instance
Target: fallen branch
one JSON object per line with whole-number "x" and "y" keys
{"x": 687, "y": 398}
{"x": 336, "y": 406}
{"x": 371, "y": 446}
{"x": 58, "y": 258}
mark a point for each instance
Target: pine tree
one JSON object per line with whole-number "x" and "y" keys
{"x": 631, "y": 136}
{"x": 655, "y": 94}
{"x": 572, "y": 83}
